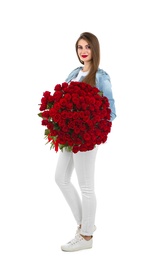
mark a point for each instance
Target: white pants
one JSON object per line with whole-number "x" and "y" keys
{"x": 83, "y": 209}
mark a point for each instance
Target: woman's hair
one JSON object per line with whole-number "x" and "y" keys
{"x": 95, "y": 49}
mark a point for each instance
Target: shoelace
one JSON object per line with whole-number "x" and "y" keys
{"x": 76, "y": 240}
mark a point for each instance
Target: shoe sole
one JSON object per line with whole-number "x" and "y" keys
{"x": 77, "y": 249}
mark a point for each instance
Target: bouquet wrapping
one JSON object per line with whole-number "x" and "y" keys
{"x": 76, "y": 117}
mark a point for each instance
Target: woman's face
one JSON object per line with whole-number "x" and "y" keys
{"x": 84, "y": 51}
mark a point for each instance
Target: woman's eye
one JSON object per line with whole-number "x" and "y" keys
{"x": 88, "y": 47}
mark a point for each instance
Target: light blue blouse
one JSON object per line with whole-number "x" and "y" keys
{"x": 103, "y": 83}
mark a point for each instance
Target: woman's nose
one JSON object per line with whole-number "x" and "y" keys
{"x": 84, "y": 50}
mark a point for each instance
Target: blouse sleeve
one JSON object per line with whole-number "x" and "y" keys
{"x": 104, "y": 84}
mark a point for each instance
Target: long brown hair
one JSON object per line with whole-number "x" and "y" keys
{"x": 95, "y": 49}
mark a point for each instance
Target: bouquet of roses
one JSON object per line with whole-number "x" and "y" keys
{"x": 76, "y": 117}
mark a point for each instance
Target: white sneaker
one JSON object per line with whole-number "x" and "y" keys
{"x": 78, "y": 231}
{"x": 76, "y": 244}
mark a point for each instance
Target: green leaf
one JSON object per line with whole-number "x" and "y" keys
{"x": 54, "y": 137}
{"x": 67, "y": 147}
{"x": 100, "y": 93}
{"x": 50, "y": 105}
{"x": 52, "y": 146}
{"x": 40, "y": 114}
{"x": 47, "y": 131}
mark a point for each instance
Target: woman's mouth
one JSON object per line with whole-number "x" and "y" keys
{"x": 84, "y": 56}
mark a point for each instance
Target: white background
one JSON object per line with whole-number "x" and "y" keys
{"x": 37, "y": 51}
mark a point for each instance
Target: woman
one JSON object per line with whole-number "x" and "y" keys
{"x": 88, "y": 52}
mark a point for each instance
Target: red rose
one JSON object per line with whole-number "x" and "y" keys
{"x": 76, "y": 116}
